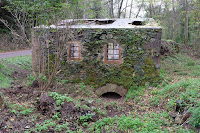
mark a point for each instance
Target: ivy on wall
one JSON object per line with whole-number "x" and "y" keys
{"x": 137, "y": 67}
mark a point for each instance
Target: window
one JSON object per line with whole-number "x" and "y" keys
{"x": 74, "y": 51}
{"x": 112, "y": 53}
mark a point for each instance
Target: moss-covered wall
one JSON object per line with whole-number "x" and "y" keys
{"x": 140, "y": 57}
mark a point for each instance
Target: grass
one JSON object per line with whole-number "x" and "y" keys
{"x": 134, "y": 92}
{"x": 146, "y": 108}
{"x": 149, "y": 123}
{"x": 185, "y": 90}
{"x": 4, "y": 75}
{"x": 181, "y": 82}
{"x": 23, "y": 62}
{"x": 181, "y": 65}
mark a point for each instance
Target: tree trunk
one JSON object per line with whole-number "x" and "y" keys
{"x": 111, "y": 9}
{"x": 150, "y": 10}
{"x": 125, "y": 9}
{"x": 131, "y": 9}
{"x": 120, "y": 8}
{"x": 84, "y": 10}
{"x": 186, "y": 23}
{"x": 140, "y": 8}
{"x": 173, "y": 18}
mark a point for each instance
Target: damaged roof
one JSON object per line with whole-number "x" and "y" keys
{"x": 142, "y": 23}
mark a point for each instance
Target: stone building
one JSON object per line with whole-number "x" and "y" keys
{"x": 110, "y": 54}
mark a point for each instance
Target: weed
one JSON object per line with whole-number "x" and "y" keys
{"x": 60, "y": 99}
{"x": 85, "y": 107}
{"x": 20, "y": 109}
{"x": 82, "y": 86}
{"x": 86, "y": 125}
{"x": 60, "y": 127}
{"x": 23, "y": 62}
{"x": 85, "y": 118}
{"x": 45, "y": 125}
{"x": 30, "y": 80}
{"x": 98, "y": 100}
{"x": 134, "y": 92}
{"x": 56, "y": 116}
{"x": 154, "y": 101}
{"x": 195, "y": 120}
{"x": 126, "y": 123}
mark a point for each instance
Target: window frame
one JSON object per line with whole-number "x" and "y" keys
{"x": 106, "y": 54}
{"x": 79, "y": 50}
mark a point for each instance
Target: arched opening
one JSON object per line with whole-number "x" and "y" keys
{"x": 111, "y": 95}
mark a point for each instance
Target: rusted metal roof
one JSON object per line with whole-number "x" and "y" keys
{"x": 142, "y": 23}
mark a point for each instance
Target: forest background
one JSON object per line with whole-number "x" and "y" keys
{"x": 180, "y": 19}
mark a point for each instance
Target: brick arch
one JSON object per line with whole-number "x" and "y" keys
{"x": 111, "y": 88}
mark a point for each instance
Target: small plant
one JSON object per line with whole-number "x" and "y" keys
{"x": 60, "y": 99}
{"x": 60, "y": 127}
{"x": 86, "y": 118}
{"x": 45, "y": 125}
{"x": 154, "y": 101}
{"x": 195, "y": 120}
{"x": 30, "y": 79}
{"x": 20, "y": 109}
{"x": 85, "y": 124}
{"x": 56, "y": 116}
{"x": 82, "y": 86}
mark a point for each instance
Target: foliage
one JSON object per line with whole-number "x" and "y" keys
{"x": 85, "y": 118}
{"x": 149, "y": 123}
{"x": 6, "y": 16}
{"x": 185, "y": 90}
{"x": 173, "y": 17}
{"x": 60, "y": 99}
{"x": 45, "y": 125}
{"x": 21, "y": 109}
{"x": 195, "y": 120}
{"x": 30, "y": 80}
{"x": 177, "y": 86}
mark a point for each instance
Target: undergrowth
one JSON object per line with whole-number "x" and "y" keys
{"x": 181, "y": 81}
{"x": 181, "y": 65}
{"x": 4, "y": 75}
{"x": 23, "y": 62}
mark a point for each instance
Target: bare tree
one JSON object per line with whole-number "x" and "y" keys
{"x": 186, "y": 23}
{"x": 126, "y": 8}
{"x": 140, "y": 8}
{"x": 111, "y": 9}
{"x": 120, "y": 8}
{"x": 131, "y": 8}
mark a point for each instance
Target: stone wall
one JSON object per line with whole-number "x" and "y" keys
{"x": 140, "y": 59}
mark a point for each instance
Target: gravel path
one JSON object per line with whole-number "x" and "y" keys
{"x": 15, "y": 53}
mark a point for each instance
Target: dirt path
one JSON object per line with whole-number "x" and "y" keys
{"x": 15, "y": 53}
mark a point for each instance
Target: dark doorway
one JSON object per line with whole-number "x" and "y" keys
{"x": 111, "y": 95}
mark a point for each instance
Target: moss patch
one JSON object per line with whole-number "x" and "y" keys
{"x": 137, "y": 67}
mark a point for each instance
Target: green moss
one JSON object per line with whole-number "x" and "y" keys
{"x": 151, "y": 74}
{"x": 137, "y": 67}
